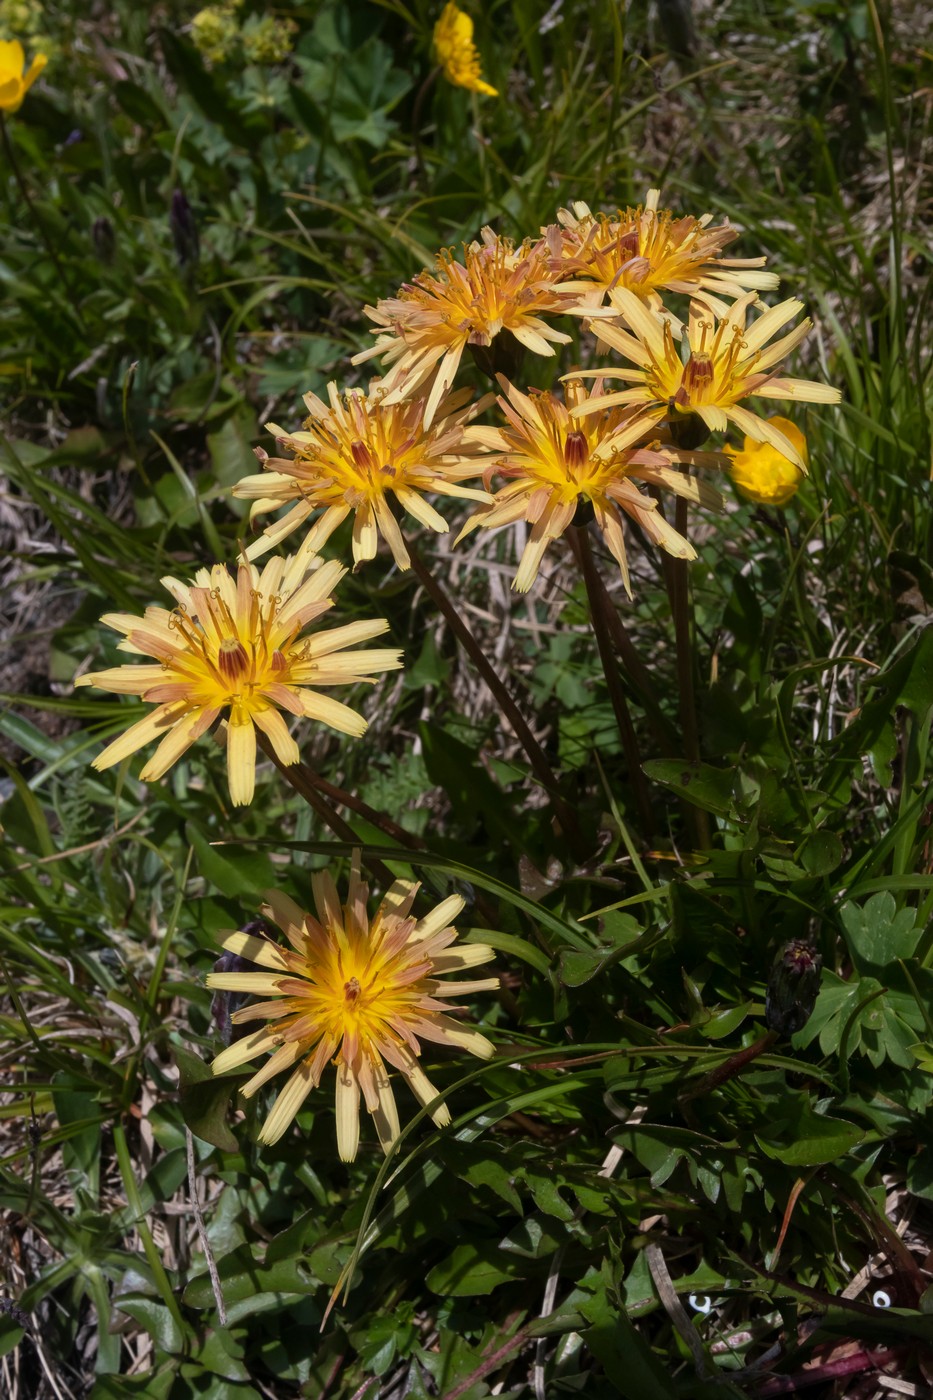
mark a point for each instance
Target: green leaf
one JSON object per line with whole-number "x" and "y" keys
{"x": 820, "y": 853}
{"x": 151, "y": 1385}
{"x": 243, "y": 1276}
{"x": 811, "y": 1139}
{"x": 723, "y": 1023}
{"x": 623, "y": 1354}
{"x": 877, "y": 933}
{"x": 475, "y": 1269}
{"x": 250, "y": 873}
{"x": 711, "y": 789}
{"x": 155, "y": 1318}
{"x": 204, "y": 1100}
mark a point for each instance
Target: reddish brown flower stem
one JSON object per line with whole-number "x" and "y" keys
{"x": 580, "y": 544}
{"x": 729, "y": 1068}
{"x": 678, "y": 592}
{"x": 303, "y": 781}
{"x": 634, "y": 667}
{"x": 498, "y": 689}
{"x": 361, "y": 808}
{"x": 319, "y": 794}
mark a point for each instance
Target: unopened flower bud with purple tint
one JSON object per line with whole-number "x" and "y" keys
{"x": 102, "y": 237}
{"x": 184, "y": 230}
{"x": 792, "y": 987}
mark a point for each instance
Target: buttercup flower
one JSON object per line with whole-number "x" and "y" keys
{"x": 762, "y": 473}
{"x": 553, "y": 461}
{"x": 235, "y": 647}
{"x": 726, "y": 362}
{"x": 427, "y": 327}
{"x": 15, "y": 78}
{"x": 646, "y": 251}
{"x": 362, "y": 993}
{"x": 456, "y": 52}
{"x": 353, "y": 455}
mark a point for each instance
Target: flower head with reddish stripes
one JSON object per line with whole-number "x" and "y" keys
{"x": 236, "y": 648}
{"x": 426, "y": 328}
{"x": 553, "y": 463}
{"x": 354, "y": 455}
{"x": 725, "y": 361}
{"x": 361, "y": 992}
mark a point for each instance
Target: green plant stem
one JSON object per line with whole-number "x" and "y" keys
{"x": 37, "y": 218}
{"x": 498, "y": 689}
{"x": 580, "y": 543}
{"x": 135, "y": 1204}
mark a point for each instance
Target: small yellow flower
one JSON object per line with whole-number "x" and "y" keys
{"x": 427, "y": 327}
{"x": 726, "y": 361}
{"x": 647, "y": 251}
{"x": 456, "y": 52}
{"x": 765, "y": 475}
{"x": 554, "y": 461}
{"x": 236, "y": 646}
{"x": 353, "y": 456}
{"x": 361, "y": 992}
{"x": 214, "y": 32}
{"x": 268, "y": 40}
{"x": 15, "y": 78}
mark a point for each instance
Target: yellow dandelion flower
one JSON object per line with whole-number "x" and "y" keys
{"x": 726, "y": 361}
{"x": 363, "y": 993}
{"x": 553, "y": 461}
{"x": 15, "y": 78}
{"x": 235, "y": 646}
{"x": 762, "y": 473}
{"x": 647, "y": 251}
{"x": 354, "y": 454}
{"x": 427, "y": 327}
{"x": 456, "y": 52}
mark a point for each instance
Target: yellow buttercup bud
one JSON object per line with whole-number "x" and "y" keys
{"x": 764, "y": 474}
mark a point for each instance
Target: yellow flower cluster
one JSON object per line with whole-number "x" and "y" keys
{"x": 265, "y": 39}
{"x": 242, "y": 651}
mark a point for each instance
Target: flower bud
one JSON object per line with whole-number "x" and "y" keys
{"x": 792, "y": 987}
{"x": 102, "y": 237}
{"x": 184, "y": 230}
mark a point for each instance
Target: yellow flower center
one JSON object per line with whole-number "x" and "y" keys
{"x": 229, "y": 659}
{"x": 712, "y": 374}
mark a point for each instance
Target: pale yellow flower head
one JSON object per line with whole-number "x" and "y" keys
{"x": 764, "y": 474}
{"x": 456, "y": 52}
{"x": 554, "y": 461}
{"x": 497, "y": 288}
{"x": 356, "y": 454}
{"x": 15, "y": 78}
{"x": 724, "y": 360}
{"x": 361, "y": 992}
{"x": 237, "y": 647}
